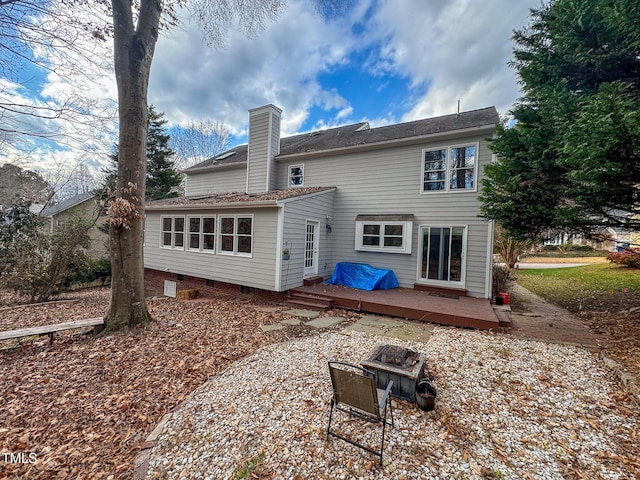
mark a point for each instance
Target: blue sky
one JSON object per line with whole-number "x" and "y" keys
{"x": 385, "y": 61}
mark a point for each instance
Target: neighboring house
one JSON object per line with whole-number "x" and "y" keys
{"x": 620, "y": 238}
{"x": 82, "y": 206}
{"x": 635, "y": 236}
{"x": 563, "y": 238}
{"x": 401, "y": 197}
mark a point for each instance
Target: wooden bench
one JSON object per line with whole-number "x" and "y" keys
{"x": 97, "y": 323}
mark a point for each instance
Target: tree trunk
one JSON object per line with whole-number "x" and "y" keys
{"x": 133, "y": 51}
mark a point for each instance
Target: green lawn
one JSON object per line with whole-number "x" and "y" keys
{"x": 563, "y": 286}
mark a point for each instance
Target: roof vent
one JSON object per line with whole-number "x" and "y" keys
{"x": 364, "y": 127}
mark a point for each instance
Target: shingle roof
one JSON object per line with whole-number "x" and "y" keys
{"x": 66, "y": 204}
{"x": 234, "y": 198}
{"x": 361, "y": 134}
{"x": 238, "y": 155}
{"x": 358, "y": 134}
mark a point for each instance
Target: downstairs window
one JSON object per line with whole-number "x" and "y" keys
{"x": 384, "y": 233}
{"x": 236, "y": 235}
{"x": 172, "y": 232}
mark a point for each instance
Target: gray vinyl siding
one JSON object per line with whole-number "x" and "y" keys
{"x": 389, "y": 182}
{"x": 275, "y": 150}
{"x": 295, "y": 215}
{"x": 214, "y": 182}
{"x": 257, "y": 271}
{"x": 258, "y": 152}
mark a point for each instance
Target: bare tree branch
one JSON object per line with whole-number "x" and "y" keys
{"x": 198, "y": 140}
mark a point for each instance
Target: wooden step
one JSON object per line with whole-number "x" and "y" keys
{"x": 312, "y": 280}
{"x": 308, "y": 305}
{"x": 503, "y": 318}
{"x": 309, "y": 296}
{"x": 309, "y": 301}
{"x": 444, "y": 291}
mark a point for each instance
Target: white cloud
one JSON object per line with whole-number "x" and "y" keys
{"x": 452, "y": 50}
{"x": 191, "y": 80}
{"x": 65, "y": 111}
{"x": 441, "y": 51}
{"x": 459, "y": 49}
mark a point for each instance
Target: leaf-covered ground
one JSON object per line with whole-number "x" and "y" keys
{"x": 606, "y": 296}
{"x": 618, "y": 317}
{"x": 81, "y": 407}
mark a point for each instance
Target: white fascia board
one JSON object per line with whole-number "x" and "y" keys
{"x": 216, "y": 168}
{"x": 216, "y": 206}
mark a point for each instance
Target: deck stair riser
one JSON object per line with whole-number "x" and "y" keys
{"x": 309, "y": 301}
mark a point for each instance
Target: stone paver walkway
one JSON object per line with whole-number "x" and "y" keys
{"x": 550, "y": 323}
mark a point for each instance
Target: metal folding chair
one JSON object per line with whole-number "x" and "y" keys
{"x": 355, "y": 393}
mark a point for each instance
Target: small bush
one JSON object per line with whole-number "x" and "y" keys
{"x": 568, "y": 247}
{"x": 626, "y": 258}
{"x": 574, "y": 247}
{"x": 502, "y": 279}
{"x": 93, "y": 270}
{"x": 100, "y": 270}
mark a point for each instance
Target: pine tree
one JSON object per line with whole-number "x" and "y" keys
{"x": 162, "y": 176}
{"x": 572, "y": 159}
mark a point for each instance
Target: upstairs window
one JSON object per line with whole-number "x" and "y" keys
{"x": 450, "y": 169}
{"x": 236, "y": 235}
{"x": 384, "y": 233}
{"x": 173, "y": 232}
{"x": 296, "y": 175}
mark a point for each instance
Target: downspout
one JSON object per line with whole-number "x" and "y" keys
{"x": 279, "y": 247}
{"x": 489, "y": 276}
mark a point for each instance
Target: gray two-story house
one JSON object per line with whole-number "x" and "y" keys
{"x": 276, "y": 211}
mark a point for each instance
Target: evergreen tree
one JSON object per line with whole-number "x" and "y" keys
{"x": 162, "y": 176}
{"x": 572, "y": 159}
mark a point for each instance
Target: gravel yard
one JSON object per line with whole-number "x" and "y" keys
{"x": 506, "y": 408}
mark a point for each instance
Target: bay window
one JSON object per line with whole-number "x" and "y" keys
{"x": 384, "y": 233}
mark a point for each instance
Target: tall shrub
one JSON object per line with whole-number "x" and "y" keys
{"x": 36, "y": 263}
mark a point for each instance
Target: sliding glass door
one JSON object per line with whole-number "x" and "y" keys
{"x": 442, "y": 254}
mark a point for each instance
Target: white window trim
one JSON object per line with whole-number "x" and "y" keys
{"x": 301, "y": 167}
{"x": 235, "y": 252}
{"x": 407, "y": 236}
{"x": 173, "y": 232}
{"x": 463, "y": 266}
{"x": 201, "y": 234}
{"x": 447, "y": 179}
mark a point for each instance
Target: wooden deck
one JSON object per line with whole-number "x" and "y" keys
{"x": 409, "y": 303}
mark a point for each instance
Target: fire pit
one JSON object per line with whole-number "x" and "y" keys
{"x": 403, "y": 366}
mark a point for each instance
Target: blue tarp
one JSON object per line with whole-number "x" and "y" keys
{"x": 363, "y": 276}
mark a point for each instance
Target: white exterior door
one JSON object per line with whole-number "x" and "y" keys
{"x": 311, "y": 249}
